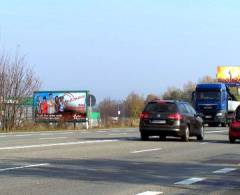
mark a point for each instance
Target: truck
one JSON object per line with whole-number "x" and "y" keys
{"x": 215, "y": 103}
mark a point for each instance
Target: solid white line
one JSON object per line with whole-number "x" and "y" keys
{"x": 190, "y": 181}
{"x": 203, "y": 143}
{"x": 53, "y": 138}
{"x": 58, "y": 144}
{"x": 22, "y": 167}
{"x": 147, "y": 150}
{"x": 150, "y": 193}
{"x": 208, "y": 132}
{"x": 225, "y": 170}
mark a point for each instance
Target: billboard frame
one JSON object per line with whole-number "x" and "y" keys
{"x": 67, "y": 121}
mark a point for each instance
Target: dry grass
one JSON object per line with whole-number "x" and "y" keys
{"x": 32, "y": 126}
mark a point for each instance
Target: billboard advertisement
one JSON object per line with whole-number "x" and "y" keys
{"x": 66, "y": 106}
{"x": 228, "y": 74}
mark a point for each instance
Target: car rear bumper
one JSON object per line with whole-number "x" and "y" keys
{"x": 234, "y": 134}
{"x": 165, "y": 131}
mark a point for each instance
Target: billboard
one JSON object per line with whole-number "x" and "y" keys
{"x": 65, "y": 106}
{"x": 228, "y": 74}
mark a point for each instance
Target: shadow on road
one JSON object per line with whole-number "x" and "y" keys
{"x": 112, "y": 171}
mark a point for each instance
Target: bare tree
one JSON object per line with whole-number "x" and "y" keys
{"x": 188, "y": 89}
{"x": 207, "y": 79}
{"x": 150, "y": 97}
{"x": 173, "y": 93}
{"x": 17, "y": 82}
{"x": 107, "y": 108}
{"x": 134, "y": 104}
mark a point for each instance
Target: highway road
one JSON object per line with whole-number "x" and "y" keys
{"x": 116, "y": 161}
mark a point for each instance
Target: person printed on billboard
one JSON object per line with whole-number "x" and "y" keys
{"x": 51, "y": 104}
{"x": 57, "y": 104}
{"x": 61, "y": 104}
{"x": 44, "y": 106}
{"x": 39, "y": 102}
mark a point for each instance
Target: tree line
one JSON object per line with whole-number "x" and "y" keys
{"x": 131, "y": 107}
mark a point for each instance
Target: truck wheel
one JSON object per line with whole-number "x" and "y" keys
{"x": 185, "y": 137}
{"x": 200, "y": 137}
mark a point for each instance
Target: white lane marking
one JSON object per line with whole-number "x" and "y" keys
{"x": 190, "y": 181}
{"x": 118, "y": 134}
{"x": 26, "y": 135}
{"x": 58, "y": 144}
{"x": 208, "y": 132}
{"x": 63, "y": 133}
{"x": 84, "y": 132}
{"x": 37, "y": 134}
{"x": 53, "y": 138}
{"x": 150, "y": 193}
{"x": 147, "y": 150}
{"x": 225, "y": 170}
{"x": 22, "y": 167}
{"x": 203, "y": 143}
{"x": 101, "y": 131}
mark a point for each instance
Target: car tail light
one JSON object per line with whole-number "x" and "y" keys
{"x": 144, "y": 115}
{"x": 175, "y": 116}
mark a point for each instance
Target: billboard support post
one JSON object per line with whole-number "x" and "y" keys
{"x": 90, "y": 111}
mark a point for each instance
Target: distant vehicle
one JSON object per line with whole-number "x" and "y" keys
{"x": 215, "y": 102}
{"x": 170, "y": 118}
{"x": 234, "y": 128}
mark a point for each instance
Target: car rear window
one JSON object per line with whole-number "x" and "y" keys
{"x": 161, "y": 107}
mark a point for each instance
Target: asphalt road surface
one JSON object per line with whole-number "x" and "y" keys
{"x": 116, "y": 161}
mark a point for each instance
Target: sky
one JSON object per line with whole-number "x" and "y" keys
{"x": 115, "y": 47}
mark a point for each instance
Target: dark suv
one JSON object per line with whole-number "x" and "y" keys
{"x": 170, "y": 118}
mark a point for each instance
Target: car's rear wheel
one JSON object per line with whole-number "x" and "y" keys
{"x": 185, "y": 137}
{"x": 231, "y": 140}
{"x": 144, "y": 136}
{"x": 200, "y": 137}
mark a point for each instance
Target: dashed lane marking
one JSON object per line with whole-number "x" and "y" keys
{"x": 59, "y": 144}
{"x": 225, "y": 170}
{"x": 150, "y": 193}
{"x": 53, "y": 138}
{"x": 190, "y": 181}
{"x": 118, "y": 134}
{"x": 209, "y": 132}
{"x": 23, "y": 167}
{"x": 146, "y": 150}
